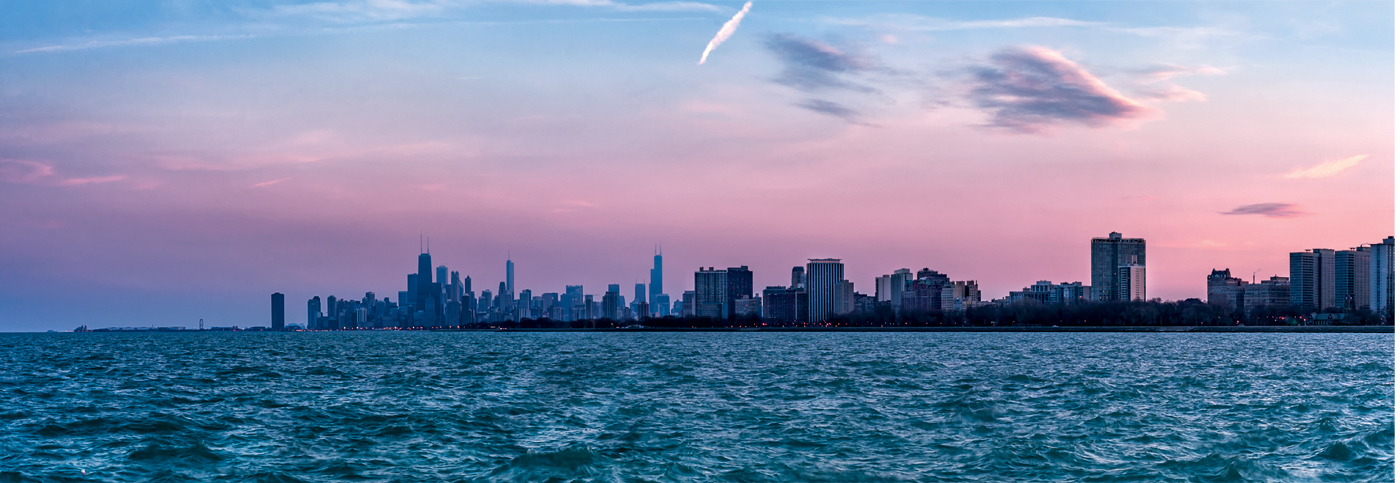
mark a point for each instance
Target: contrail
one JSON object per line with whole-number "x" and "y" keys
{"x": 725, "y": 32}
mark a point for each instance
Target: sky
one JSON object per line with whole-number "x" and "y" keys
{"x": 163, "y": 162}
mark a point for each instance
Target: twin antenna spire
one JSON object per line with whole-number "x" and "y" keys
{"x": 422, "y": 248}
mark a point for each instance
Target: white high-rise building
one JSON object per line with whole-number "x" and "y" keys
{"x": 825, "y": 277}
{"x": 1132, "y": 283}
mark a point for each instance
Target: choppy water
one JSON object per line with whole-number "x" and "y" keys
{"x": 285, "y": 407}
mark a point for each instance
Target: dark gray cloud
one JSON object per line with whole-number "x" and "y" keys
{"x": 810, "y": 65}
{"x": 1271, "y": 210}
{"x": 830, "y": 108}
{"x": 1028, "y": 88}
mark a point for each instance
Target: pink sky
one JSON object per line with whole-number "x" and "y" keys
{"x": 202, "y": 175}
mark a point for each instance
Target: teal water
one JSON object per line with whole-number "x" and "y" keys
{"x": 634, "y": 407}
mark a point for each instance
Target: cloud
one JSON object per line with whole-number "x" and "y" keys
{"x": 97, "y": 44}
{"x": 725, "y": 31}
{"x": 1029, "y": 88}
{"x": 829, "y": 108}
{"x": 269, "y": 183}
{"x": 23, "y": 171}
{"x": 923, "y": 23}
{"x": 100, "y": 179}
{"x": 1164, "y": 71}
{"x": 1172, "y": 93}
{"x": 810, "y": 65}
{"x": 1326, "y": 169}
{"x": 1271, "y": 210}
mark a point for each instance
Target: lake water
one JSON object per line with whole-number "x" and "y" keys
{"x": 635, "y": 407}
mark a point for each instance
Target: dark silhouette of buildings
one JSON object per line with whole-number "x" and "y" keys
{"x": 279, "y": 311}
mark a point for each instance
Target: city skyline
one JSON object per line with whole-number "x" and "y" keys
{"x": 165, "y": 163}
{"x": 819, "y": 291}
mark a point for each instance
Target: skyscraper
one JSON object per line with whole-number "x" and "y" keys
{"x": 611, "y": 304}
{"x": 279, "y": 311}
{"x": 656, "y": 285}
{"x": 425, "y": 280}
{"x": 1382, "y": 283}
{"x": 441, "y": 275}
{"x": 1353, "y": 274}
{"x": 455, "y": 293}
{"x": 1312, "y": 279}
{"x": 1106, "y": 255}
{"x": 740, "y": 284}
{"x": 313, "y": 313}
{"x": 1132, "y": 282}
{"x": 711, "y": 293}
{"x": 824, "y": 282}
{"x": 799, "y": 279}
{"x": 639, "y": 294}
{"x": 510, "y": 279}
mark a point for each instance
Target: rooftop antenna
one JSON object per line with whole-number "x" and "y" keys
{"x": 1252, "y": 276}
{"x": 420, "y": 242}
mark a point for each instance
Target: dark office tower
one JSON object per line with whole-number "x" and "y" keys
{"x": 484, "y": 305}
{"x": 780, "y": 304}
{"x": 825, "y": 277}
{"x": 932, "y": 275}
{"x": 523, "y": 304}
{"x": 503, "y": 298}
{"x": 332, "y": 313}
{"x": 799, "y": 278}
{"x": 510, "y": 279}
{"x": 466, "y": 284}
{"x": 1352, "y": 279}
{"x": 425, "y": 281}
{"x": 639, "y": 293}
{"x": 412, "y": 299}
{"x": 655, "y": 279}
{"x": 455, "y": 290}
{"x": 611, "y": 307}
{"x": 740, "y": 282}
{"x": 441, "y": 275}
{"x": 313, "y": 313}
{"x": 1106, "y": 255}
{"x": 711, "y": 293}
{"x": 279, "y": 311}
{"x": 588, "y": 312}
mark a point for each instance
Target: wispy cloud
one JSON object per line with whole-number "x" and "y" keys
{"x": 21, "y": 171}
{"x": 1271, "y": 210}
{"x": 1029, "y": 88}
{"x": 829, "y": 108}
{"x": 99, "y": 179}
{"x": 1171, "y": 93}
{"x": 725, "y": 31}
{"x": 269, "y": 183}
{"x": 1165, "y": 71}
{"x": 811, "y": 65}
{"x": 98, "y": 44}
{"x": 924, "y": 23}
{"x": 1326, "y": 169}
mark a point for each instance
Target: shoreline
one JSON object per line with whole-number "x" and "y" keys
{"x": 1307, "y": 329}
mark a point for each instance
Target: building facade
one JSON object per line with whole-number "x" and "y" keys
{"x": 712, "y": 293}
{"x": 1106, "y": 256}
{"x": 824, "y": 284}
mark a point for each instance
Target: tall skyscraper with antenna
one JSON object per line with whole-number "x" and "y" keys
{"x": 425, "y": 277}
{"x": 656, "y": 288}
